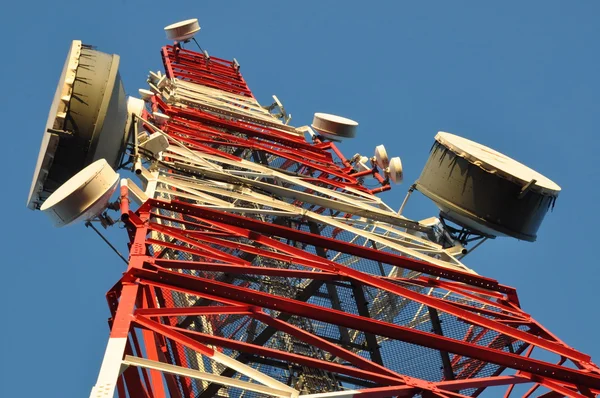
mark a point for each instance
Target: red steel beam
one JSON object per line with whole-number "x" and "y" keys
{"x": 294, "y": 307}
{"x": 245, "y": 269}
{"x": 204, "y": 132}
{"x": 227, "y": 222}
{"x": 316, "y": 341}
{"x": 242, "y": 346}
{"x": 333, "y": 244}
{"x": 204, "y": 310}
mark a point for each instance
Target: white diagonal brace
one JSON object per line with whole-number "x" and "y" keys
{"x": 203, "y": 376}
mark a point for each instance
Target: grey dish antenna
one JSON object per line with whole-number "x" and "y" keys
{"x": 485, "y": 191}
{"x": 86, "y": 122}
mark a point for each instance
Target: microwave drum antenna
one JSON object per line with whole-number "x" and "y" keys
{"x": 182, "y": 31}
{"x": 84, "y": 196}
{"x": 395, "y": 171}
{"x": 381, "y": 157}
{"x": 485, "y": 191}
{"x": 334, "y": 127}
{"x": 87, "y": 121}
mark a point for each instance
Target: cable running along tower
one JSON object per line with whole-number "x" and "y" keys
{"x": 261, "y": 265}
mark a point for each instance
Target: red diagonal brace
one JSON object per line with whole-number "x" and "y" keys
{"x": 251, "y": 297}
{"x": 316, "y": 341}
{"x": 229, "y": 221}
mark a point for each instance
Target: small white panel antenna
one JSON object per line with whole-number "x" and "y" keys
{"x": 334, "y": 127}
{"x": 154, "y": 77}
{"x": 381, "y": 157}
{"x": 84, "y": 196}
{"x": 155, "y": 144}
{"x": 282, "y": 114}
{"x": 182, "y": 31}
{"x": 162, "y": 82}
{"x": 363, "y": 163}
{"x": 395, "y": 170}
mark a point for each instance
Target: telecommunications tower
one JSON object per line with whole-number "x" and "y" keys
{"x": 261, "y": 265}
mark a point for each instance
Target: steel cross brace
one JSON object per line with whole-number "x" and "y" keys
{"x": 231, "y": 293}
{"x": 264, "y": 351}
{"x": 247, "y": 269}
{"x": 228, "y": 222}
{"x": 256, "y": 313}
{"x": 241, "y": 346}
{"x": 180, "y": 334}
{"x": 203, "y": 132}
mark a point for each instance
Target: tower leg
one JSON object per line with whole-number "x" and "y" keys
{"x": 115, "y": 349}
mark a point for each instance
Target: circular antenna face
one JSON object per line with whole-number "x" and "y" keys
{"x": 381, "y": 157}
{"x": 484, "y": 190}
{"x": 334, "y": 127}
{"x": 78, "y": 131}
{"x": 395, "y": 170}
{"x": 184, "y": 30}
{"x": 160, "y": 118}
{"x": 497, "y": 162}
{"x": 83, "y": 196}
{"x": 145, "y": 94}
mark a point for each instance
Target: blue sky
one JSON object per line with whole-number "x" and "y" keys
{"x": 519, "y": 77}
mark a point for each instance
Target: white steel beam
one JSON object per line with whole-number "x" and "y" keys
{"x": 208, "y": 377}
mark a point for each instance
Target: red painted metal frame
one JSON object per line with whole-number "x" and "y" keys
{"x": 317, "y": 262}
{"x": 360, "y": 251}
{"x": 151, "y": 273}
{"x": 246, "y": 296}
{"x": 212, "y": 242}
{"x": 184, "y": 120}
{"x": 196, "y": 68}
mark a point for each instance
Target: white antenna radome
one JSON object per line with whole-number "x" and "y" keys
{"x": 334, "y": 127}
{"x": 160, "y": 118}
{"x": 84, "y": 196}
{"x": 381, "y": 157}
{"x": 145, "y": 94}
{"x": 182, "y": 31}
{"x": 395, "y": 170}
{"x": 79, "y": 132}
{"x": 135, "y": 106}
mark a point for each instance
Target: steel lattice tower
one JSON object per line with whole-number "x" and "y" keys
{"x": 260, "y": 265}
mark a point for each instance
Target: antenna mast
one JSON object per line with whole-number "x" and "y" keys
{"x": 262, "y": 265}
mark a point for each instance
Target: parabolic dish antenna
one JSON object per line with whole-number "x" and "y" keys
{"x": 484, "y": 190}
{"x": 145, "y": 94}
{"x": 182, "y": 31}
{"x": 381, "y": 157}
{"x": 86, "y": 122}
{"x": 83, "y": 196}
{"x": 395, "y": 170}
{"x": 334, "y": 127}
